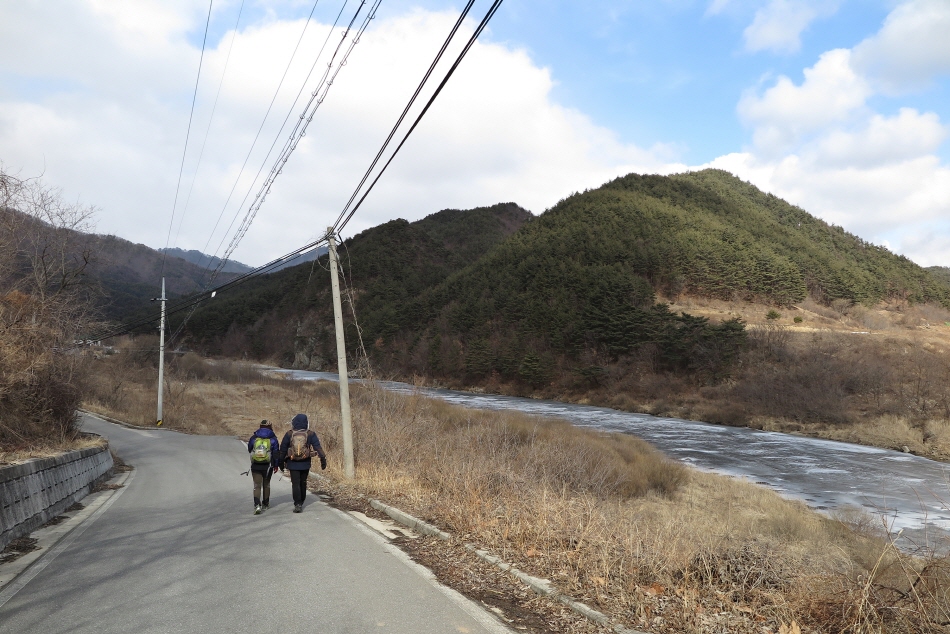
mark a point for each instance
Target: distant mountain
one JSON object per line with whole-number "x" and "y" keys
{"x": 494, "y": 292}
{"x": 120, "y": 277}
{"x": 942, "y": 273}
{"x": 389, "y": 265}
{"x": 303, "y": 258}
{"x": 130, "y": 274}
{"x": 206, "y": 261}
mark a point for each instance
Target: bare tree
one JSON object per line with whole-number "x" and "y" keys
{"x": 45, "y": 249}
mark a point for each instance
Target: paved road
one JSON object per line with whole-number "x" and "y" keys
{"x": 180, "y": 551}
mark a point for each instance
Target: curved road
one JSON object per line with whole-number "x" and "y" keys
{"x": 180, "y": 551}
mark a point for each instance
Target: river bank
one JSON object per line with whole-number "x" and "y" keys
{"x": 653, "y": 549}
{"x": 928, "y": 438}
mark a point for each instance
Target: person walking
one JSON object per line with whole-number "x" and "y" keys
{"x": 265, "y": 454}
{"x": 296, "y": 448}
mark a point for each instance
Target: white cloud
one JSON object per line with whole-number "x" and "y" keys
{"x": 911, "y": 48}
{"x": 112, "y": 128}
{"x": 786, "y": 112}
{"x": 881, "y": 141}
{"x": 821, "y": 145}
{"x": 933, "y": 240}
{"x": 778, "y": 26}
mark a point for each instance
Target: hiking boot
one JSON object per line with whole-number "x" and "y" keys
{"x": 257, "y": 510}
{"x": 298, "y": 508}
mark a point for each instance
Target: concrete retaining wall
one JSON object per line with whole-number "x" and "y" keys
{"x": 34, "y": 492}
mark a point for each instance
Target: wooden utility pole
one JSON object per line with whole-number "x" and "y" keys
{"x": 161, "y": 357}
{"x": 349, "y": 468}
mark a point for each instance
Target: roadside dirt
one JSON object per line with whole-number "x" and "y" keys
{"x": 17, "y": 548}
{"x": 499, "y": 592}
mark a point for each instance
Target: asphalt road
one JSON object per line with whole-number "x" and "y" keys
{"x": 180, "y": 551}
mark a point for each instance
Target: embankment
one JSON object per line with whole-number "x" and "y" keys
{"x": 38, "y": 490}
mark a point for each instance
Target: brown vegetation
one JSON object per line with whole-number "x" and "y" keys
{"x": 43, "y": 305}
{"x": 847, "y": 372}
{"x": 607, "y": 518}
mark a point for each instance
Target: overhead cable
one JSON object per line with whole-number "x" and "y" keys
{"x": 214, "y": 108}
{"x": 184, "y": 151}
{"x": 300, "y": 129}
{"x": 264, "y": 120}
{"x": 186, "y": 303}
{"x": 338, "y": 226}
{"x": 412, "y": 100}
{"x": 193, "y": 301}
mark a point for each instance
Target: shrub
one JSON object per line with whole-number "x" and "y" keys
{"x": 43, "y": 307}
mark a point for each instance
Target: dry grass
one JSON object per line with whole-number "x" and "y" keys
{"x": 47, "y": 449}
{"x": 607, "y": 518}
{"x": 887, "y": 388}
{"x": 201, "y": 396}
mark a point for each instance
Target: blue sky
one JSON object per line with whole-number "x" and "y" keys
{"x": 839, "y": 106}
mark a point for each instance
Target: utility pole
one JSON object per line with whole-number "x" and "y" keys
{"x": 161, "y": 357}
{"x": 348, "y": 464}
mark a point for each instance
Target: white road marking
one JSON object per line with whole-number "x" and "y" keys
{"x": 481, "y": 615}
{"x": 27, "y": 575}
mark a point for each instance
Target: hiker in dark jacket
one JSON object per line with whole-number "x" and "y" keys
{"x": 263, "y": 465}
{"x": 297, "y": 446}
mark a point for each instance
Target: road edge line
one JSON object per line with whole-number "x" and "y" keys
{"x": 467, "y": 605}
{"x": 543, "y": 587}
{"x": 27, "y": 575}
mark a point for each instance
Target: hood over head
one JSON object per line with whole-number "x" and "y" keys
{"x": 300, "y": 422}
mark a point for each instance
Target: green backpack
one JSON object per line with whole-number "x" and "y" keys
{"x": 260, "y": 453}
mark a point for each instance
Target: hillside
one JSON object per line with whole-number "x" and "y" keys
{"x": 573, "y": 291}
{"x": 942, "y": 273}
{"x": 206, "y": 261}
{"x": 128, "y": 275}
{"x": 120, "y": 276}
{"x": 286, "y": 312}
{"x": 468, "y": 295}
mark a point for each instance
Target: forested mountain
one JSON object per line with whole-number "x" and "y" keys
{"x": 386, "y": 267}
{"x": 119, "y": 276}
{"x": 128, "y": 275}
{"x": 206, "y": 261}
{"x": 493, "y": 292}
{"x": 942, "y": 273}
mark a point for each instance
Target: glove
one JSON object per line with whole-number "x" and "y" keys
{"x": 323, "y": 462}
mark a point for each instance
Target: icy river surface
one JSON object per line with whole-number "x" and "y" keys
{"x": 910, "y": 492}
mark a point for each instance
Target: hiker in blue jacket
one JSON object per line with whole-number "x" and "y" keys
{"x": 297, "y": 446}
{"x": 265, "y": 456}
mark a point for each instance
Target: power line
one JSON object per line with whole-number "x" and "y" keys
{"x": 338, "y": 226}
{"x": 285, "y": 153}
{"x": 192, "y": 302}
{"x": 264, "y": 120}
{"x": 412, "y": 100}
{"x": 184, "y": 152}
{"x": 300, "y": 129}
{"x": 214, "y": 108}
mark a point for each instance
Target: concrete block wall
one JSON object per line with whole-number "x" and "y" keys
{"x": 36, "y": 491}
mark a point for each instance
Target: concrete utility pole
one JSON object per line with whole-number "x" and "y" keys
{"x": 161, "y": 357}
{"x": 348, "y": 465}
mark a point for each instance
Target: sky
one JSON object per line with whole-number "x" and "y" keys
{"x": 838, "y": 106}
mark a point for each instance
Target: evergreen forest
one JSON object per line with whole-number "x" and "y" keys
{"x": 496, "y": 294}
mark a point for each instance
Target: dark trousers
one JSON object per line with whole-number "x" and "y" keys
{"x": 262, "y": 484}
{"x": 298, "y": 482}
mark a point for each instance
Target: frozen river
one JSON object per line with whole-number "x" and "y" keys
{"x": 911, "y": 492}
